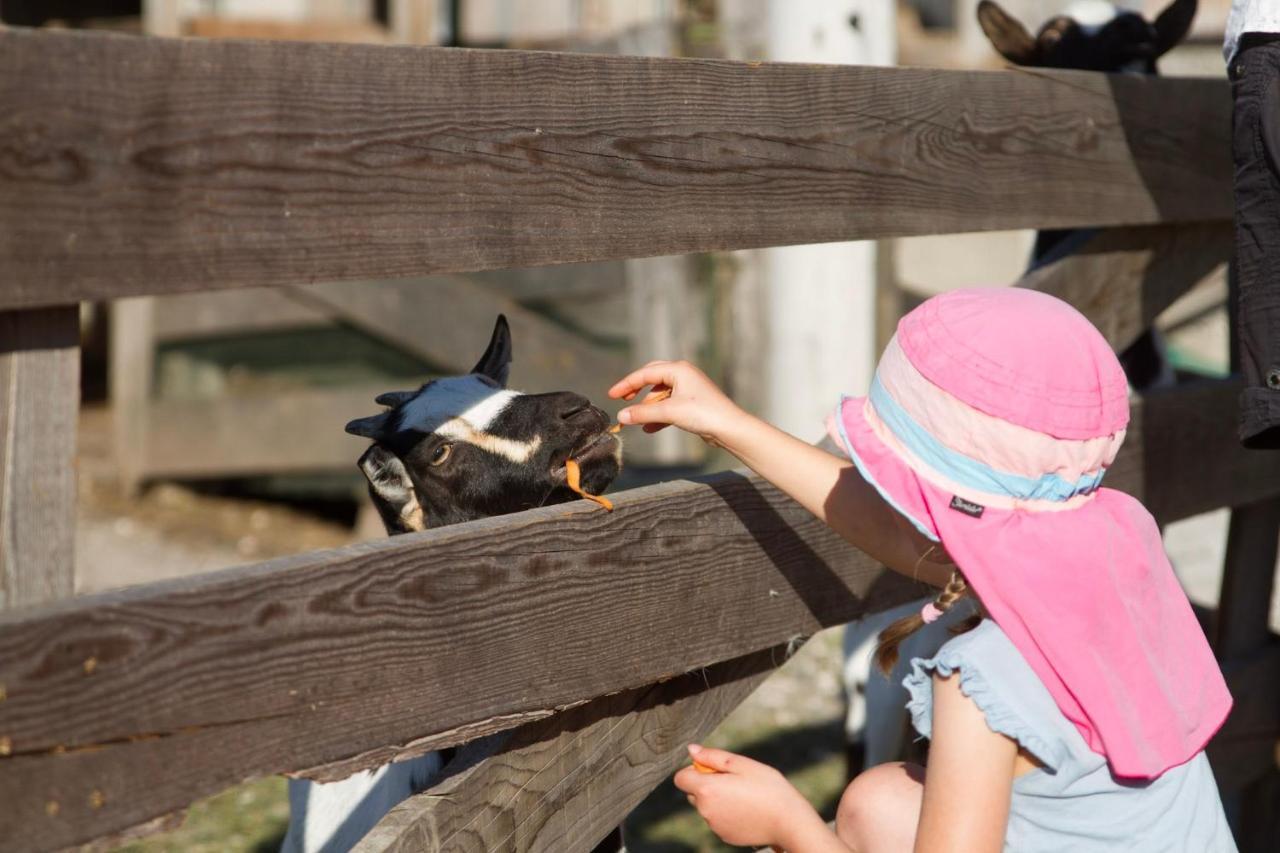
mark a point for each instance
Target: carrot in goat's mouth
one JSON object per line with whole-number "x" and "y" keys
{"x": 573, "y": 478}
{"x": 573, "y": 472}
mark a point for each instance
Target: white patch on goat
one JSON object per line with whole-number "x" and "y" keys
{"x": 519, "y": 452}
{"x": 466, "y": 397}
{"x": 463, "y": 408}
{"x": 1091, "y": 15}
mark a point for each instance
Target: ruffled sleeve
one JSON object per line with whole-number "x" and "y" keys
{"x": 997, "y": 684}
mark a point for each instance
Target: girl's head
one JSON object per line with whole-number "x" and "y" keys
{"x": 989, "y": 425}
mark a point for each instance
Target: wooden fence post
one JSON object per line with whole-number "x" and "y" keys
{"x": 39, "y": 398}
{"x": 131, "y": 366}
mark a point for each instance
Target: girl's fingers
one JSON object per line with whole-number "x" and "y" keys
{"x": 646, "y": 413}
{"x": 717, "y": 759}
{"x": 653, "y": 373}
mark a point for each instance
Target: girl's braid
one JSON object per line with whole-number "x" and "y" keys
{"x": 886, "y": 656}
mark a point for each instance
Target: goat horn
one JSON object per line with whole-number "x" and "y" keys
{"x": 395, "y": 398}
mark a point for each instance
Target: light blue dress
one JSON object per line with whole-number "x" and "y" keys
{"x": 1073, "y": 803}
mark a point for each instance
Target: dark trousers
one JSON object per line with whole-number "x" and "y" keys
{"x": 1255, "y": 143}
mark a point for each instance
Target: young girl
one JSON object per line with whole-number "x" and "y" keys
{"x": 1074, "y": 716}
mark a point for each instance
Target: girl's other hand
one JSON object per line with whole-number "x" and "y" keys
{"x": 745, "y": 802}
{"x": 694, "y": 404}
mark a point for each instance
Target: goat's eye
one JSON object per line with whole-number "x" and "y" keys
{"x": 441, "y": 453}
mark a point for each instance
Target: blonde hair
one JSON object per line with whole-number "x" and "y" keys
{"x": 886, "y": 656}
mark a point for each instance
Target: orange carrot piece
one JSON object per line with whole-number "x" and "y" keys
{"x": 703, "y": 768}
{"x": 573, "y": 478}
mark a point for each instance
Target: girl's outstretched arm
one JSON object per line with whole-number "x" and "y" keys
{"x": 826, "y": 485}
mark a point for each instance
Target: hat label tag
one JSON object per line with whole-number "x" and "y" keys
{"x": 967, "y": 507}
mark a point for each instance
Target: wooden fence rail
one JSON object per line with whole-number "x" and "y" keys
{"x": 142, "y": 166}
{"x": 335, "y": 661}
{"x": 132, "y": 166}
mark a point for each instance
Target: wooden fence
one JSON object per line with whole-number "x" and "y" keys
{"x": 588, "y": 646}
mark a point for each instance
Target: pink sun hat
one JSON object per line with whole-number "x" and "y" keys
{"x": 990, "y": 422}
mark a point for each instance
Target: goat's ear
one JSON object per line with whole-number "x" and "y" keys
{"x": 392, "y": 492}
{"x": 374, "y": 426}
{"x": 496, "y": 361}
{"x": 1172, "y": 24}
{"x": 1007, "y": 34}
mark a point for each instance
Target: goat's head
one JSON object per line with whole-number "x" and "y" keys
{"x": 465, "y": 447}
{"x": 1123, "y": 42}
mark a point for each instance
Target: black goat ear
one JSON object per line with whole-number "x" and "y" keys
{"x": 1173, "y": 24}
{"x": 374, "y": 426}
{"x": 496, "y": 361}
{"x": 394, "y": 398}
{"x": 1007, "y": 34}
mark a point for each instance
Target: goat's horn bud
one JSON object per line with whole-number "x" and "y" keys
{"x": 394, "y": 398}
{"x": 370, "y": 427}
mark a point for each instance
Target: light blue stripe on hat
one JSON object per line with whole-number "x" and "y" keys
{"x": 852, "y": 450}
{"x": 966, "y": 470}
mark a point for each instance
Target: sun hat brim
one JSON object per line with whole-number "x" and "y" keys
{"x": 1083, "y": 589}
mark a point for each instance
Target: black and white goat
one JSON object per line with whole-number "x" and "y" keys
{"x": 456, "y": 449}
{"x": 1092, "y": 36}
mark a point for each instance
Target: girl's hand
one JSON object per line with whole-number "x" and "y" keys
{"x": 694, "y": 404}
{"x": 745, "y": 802}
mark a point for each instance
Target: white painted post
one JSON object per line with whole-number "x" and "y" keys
{"x": 820, "y": 300}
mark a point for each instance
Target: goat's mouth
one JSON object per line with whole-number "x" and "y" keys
{"x": 595, "y": 448}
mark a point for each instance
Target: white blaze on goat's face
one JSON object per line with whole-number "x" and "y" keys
{"x": 464, "y": 408}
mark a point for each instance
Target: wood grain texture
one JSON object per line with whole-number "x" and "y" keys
{"x": 143, "y": 166}
{"x": 201, "y": 682}
{"x": 39, "y": 402}
{"x": 1122, "y": 278}
{"x": 1182, "y": 456}
{"x": 563, "y": 783}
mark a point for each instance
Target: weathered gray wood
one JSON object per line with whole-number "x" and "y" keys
{"x": 561, "y": 784}
{"x": 262, "y": 669}
{"x": 254, "y": 434}
{"x": 1186, "y": 423}
{"x": 39, "y": 404}
{"x": 1122, "y": 278}
{"x": 447, "y": 319}
{"x": 174, "y": 165}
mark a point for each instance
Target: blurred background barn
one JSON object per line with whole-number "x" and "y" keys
{"x": 211, "y": 428}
